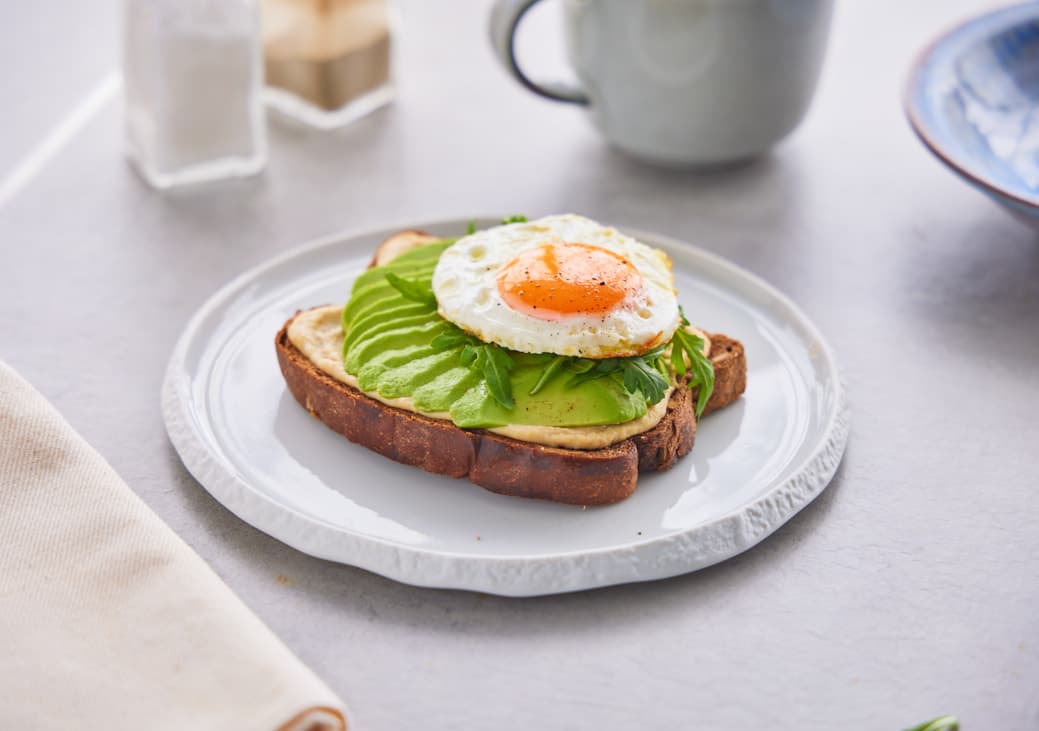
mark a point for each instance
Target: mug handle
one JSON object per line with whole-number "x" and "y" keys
{"x": 505, "y": 19}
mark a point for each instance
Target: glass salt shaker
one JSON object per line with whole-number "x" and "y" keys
{"x": 193, "y": 81}
{"x": 328, "y": 62}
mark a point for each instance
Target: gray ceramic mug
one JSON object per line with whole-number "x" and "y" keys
{"x": 684, "y": 82}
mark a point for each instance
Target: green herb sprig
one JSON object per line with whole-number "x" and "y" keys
{"x": 641, "y": 374}
{"x": 546, "y": 375}
{"x": 686, "y": 345}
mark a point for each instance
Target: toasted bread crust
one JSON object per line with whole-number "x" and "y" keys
{"x": 500, "y": 464}
{"x": 730, "y": 372}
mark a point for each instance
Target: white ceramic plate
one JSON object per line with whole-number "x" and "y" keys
{"x": 754, "y": 465}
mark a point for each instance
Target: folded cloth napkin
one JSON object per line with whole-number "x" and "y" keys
{"x": 107, "y": 619}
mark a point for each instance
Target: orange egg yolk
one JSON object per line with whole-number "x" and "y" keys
{"x": 557, "y": 280}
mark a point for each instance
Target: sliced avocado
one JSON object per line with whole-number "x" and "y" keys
{"x": 374, "y": 294}
{"x": 414, "y": 264}
{"x": 393, "y": 358}
{"x": 369, "y": 373}
{"x": 405, "y": 378}
{"x": 373, "y": 298}
{"x": 444, "y": 390}
{"x": 378, "y": 275}
{"x": 591, "y": 403}
{"x": 393, "y": 340}
{"x": 380, "y": 307}
{"x": 388, "y": 347}
{"x": 405, "y": 314}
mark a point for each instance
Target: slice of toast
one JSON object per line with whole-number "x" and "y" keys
{"x": 498, "y": 463}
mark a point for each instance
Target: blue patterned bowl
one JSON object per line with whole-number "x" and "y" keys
{"x": 973, "y": 99}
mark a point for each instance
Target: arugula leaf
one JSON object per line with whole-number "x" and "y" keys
{"x": 469, "y": 355}
{"x": 687, "y": 345}
{"x": 586, "y": 369}
{"x": 943, "y": 723}
{"x": 496, "y": 367}
{"x": 635, "y": 374}
{"x": 514, "y": 219}
{"x": 412, "y": 289}
{"x": 579, "y": 365}
{"x": 646, "y": 374}
{"x": 639, "y": 375}
{"x": 651, "y": 355}
{"x": 550, "y": 370}
{"x": 703, "y": 374}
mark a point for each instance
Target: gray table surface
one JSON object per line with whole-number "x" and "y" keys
{"x": 907, "y": 590}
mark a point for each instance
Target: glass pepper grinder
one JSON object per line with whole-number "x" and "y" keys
{"x": 328, "y": 62}
{"x": 193, "y": 82}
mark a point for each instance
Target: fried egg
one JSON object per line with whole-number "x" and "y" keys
{"x": 561, "y": 284}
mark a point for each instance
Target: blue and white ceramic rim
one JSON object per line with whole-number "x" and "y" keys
{"x": 923, "y": 118}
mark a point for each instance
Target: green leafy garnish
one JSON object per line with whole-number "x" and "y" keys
{"x": 580, "y": 365}
{"x": 646, "y": 374}
{"x": 550, "y": 370}
{"x": 471, "y": 228}
{"x": 639, "y": 373}
{"x": 491, "y": 360}
{"x": 686, "y": 345}
{"x": 585, "y": 369}
{"x": 496, "y": 364}
{"x": 944, "y": 723}
{"x": 412, "y": 289}
{"x": 468, "y": 355}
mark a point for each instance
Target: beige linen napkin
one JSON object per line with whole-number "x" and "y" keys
{"x": 107, "y": 619}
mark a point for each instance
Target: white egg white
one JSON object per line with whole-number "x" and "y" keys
{"x": 465, "y": 285}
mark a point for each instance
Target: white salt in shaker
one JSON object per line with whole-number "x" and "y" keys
{"x": 193, "y": 78}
